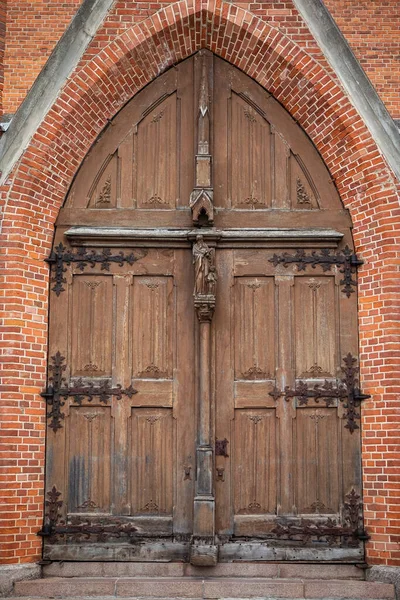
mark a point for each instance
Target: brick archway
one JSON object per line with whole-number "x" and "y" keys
{"x": 102, "y": 83}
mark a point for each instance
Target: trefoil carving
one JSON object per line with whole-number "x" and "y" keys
{"x": 254, "y": 373}
{"x": 347, "y": 392}
{"x": 57, "y": 392}
{"x": 345, "y": 259}
{"x": 61, "y": 257}
{"x": 89, "y": 505}
{"x": 316, "y": 371}
{"x": 254, "y": 508}
{"x": 151, "y": 507}
{"x": 153, "y": 372}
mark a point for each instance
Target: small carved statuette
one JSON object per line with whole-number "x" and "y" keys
{"x": 205, "y": 275}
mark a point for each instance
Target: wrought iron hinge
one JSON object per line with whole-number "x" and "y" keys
{"x": 345, "y": 259}
{"x": 347, "y": 392}
{"x": 83, "y": 258}
{"x": 58, "y": 392}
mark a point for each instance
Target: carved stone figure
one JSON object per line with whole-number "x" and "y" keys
{"x": 212, "y": 281}
{"x": 204, "y": 268}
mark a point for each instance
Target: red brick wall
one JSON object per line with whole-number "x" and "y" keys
{"x": 3, "y": 15}
{"x": 33, "y": 29}
{"x": 125, "y": 55}
{"x": 372, "y": 29}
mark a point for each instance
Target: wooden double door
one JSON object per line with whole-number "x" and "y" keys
{"x": 203, "y": 398}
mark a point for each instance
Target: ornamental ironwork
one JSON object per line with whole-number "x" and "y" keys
{"x": 83, "y": 258}
{"x": 79, "y": 529}
{"x": 348, "y": 533}
{"x": 345, "y": 259}
{"x": 57, "y": 392}
{"x": 347, "y": 392}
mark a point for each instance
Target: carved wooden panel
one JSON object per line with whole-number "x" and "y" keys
{"x": 250, "y": 161}
{"x": 91, "y": 325}
{"x": 303, "y": 192}
{"x": 156, "y": 157}
{"x": 254, "y": 328}
{"x": 316, "y": 322}
{"x": 152, "y": 440}
{"x": 254, "y": 462}
{"x": 89, "y": 459}
{"x": 317, "y": 459}
{"x": 103, "y": 193}
{"x": 153, "y": 322}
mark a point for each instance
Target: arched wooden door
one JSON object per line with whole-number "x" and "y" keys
{"x": 203, "y": 398}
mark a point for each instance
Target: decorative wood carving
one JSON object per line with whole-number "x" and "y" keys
{"x": 201, "y": 199}
{"x": 302, "y": 196}
{"x": 205, "y": 277}
{"x": 316, "y": 372}
{"x": 254, "y": 373}
{"x": 345, "y": 259}
{"x": 57, "y": 393}
{"x": 83, "y": 258}
{"x": 88, "y": 505}
{"x": 347, "y": 392}
{"x": 105, "y": 193}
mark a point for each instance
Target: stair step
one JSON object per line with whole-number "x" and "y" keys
{"x": 242, "y": 569}
{"x": 199, "y": 588}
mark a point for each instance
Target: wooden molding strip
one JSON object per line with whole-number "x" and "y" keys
{"x": 227, "y": 238}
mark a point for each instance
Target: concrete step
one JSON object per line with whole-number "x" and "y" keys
{"x": 239, "y": 569}
{"x": 202, "y": 588}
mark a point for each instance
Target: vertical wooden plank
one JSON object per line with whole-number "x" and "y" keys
{"x": 121, "y": 409}
{"x": 125, "y": 155}
{"x": 59, "y": 341}
{"x": 222, "y": 134}
{"x": 350, "y": 442}
{"x": 315, "y": 327}
{"x": 91, "y": 326}
{"x": 317, "y": 461}
{"x": 186, "y": 116}
{"x": 89, "y": 459}
{"x": 156, "y": 157}
{"x": 254, "y": 462}
{"x": 152, "y": 327}
{"x": 285, "y": 376}
{"x": 224, "y": 390}
{"x": 254, "y": 328}
{"x": 249, "y": 154}
{"x": 184, "y": 410}
{"x": 280, "y": 153}
{"x": 152, "y": 461}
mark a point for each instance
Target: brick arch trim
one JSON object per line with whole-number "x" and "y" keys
{"x": 99, "y": 87}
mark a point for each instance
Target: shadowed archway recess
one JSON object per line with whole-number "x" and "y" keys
{"x": 234, "y": 435}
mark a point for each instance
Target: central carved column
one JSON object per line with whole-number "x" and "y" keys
{"x": 203, "y": 551}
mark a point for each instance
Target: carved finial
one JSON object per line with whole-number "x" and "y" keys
{"x": 202, "y": 208}
{"x": 204, "y": 115}
{"x": 201, "y": 199}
